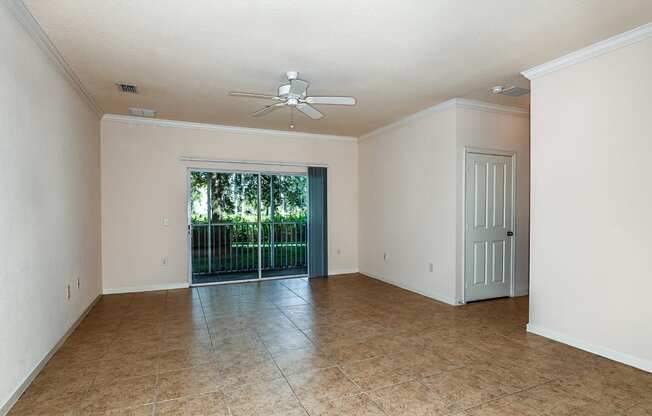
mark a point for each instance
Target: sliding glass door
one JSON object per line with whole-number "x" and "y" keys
{"x": 284, "y": 225}
{"x": 245, "y": 225}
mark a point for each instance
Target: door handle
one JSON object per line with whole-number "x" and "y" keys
{"x": 510, "y": 233}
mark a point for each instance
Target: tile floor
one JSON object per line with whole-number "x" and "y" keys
{"x": 346, "y": 345}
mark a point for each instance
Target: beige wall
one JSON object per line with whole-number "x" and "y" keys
{"x": 407, "y": 205}
{"x": 50, "y": 205}
{"x": 143, "y": 181}
{"x": 591, "y": 205}
{"x": 411, "y": 205}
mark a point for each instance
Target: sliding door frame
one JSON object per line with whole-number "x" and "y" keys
{"x": 259, "y": 173}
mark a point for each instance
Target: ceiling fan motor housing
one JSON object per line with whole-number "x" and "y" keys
{"x": 284, "y": 92}
{"x": 292, "y": 75}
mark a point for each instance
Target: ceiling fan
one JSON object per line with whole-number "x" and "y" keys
{"x": 294, "y": 94}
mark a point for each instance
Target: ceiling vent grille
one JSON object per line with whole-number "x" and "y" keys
{"x": 127, "y": 88}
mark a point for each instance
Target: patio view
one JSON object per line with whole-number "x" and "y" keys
{"x": 247, "y": 225}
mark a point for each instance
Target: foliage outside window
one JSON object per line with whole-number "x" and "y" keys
{"x": 234, "y": 197}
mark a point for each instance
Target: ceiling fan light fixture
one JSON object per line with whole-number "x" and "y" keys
{"x": 294, "y": 94}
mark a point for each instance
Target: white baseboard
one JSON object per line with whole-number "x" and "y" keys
{"x": 185, "y": 285}
{"x": 640, "y": 363}
{"x": 436, "y": 296}
{"x": 146, "y": 288}
{"x": 341, "y": 271}
{"x": 6, "y": 407}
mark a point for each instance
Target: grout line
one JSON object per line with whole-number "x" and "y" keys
{"x": 284, "y": 376}
{"x": 296, "y": 294}
{"x": 506, "y": 395}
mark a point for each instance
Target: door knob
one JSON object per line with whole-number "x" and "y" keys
{"x": 510, "y": 233}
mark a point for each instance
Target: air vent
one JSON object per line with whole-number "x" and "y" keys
{"x": 127, "y": 88}
{"x": 142, "y": 112}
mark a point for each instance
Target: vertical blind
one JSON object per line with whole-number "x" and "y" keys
{"x": 317, "y": 222}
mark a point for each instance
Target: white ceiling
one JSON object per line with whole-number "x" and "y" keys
{"x": 395, "y": 56}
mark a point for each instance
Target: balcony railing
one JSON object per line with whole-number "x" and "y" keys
{"x": 233, "y": 248}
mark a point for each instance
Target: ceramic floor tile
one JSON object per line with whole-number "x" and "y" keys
{"x": 466, "y": 387}
{"x": 609, "y": 392}
{"x": 343, "y": 352}
{"x": 358, "y": 405}
{"x": 303, "y": 359}
{"x": 419, "y": 363}
{"x": 147, "y": 410}
{"x": 70, "y": 377}
{"x": 644, "y": 409}
{"x": 142, "y": 349}
{"x": 508, "y": 406}
{"x": 411, "y": 398}
{"x": 184, "y": 358}
{"x": 111, "y": 395}
{"x": 287, "y": 340}
{"x": 184, "y": 342}
{"x": 248, "y": 370}
{"x": 273, "y": 397}
{"x": 190, "y": 381}
{"x": 52, "y": 400}
{"x": 128, "y": 366}
{"x": 360, "y": 347}
{"x": 460, "y": 353}
{"x": 209, "y": 404}
{"x": 374, "y": 373}
{"x": 553, "y": 399}
{"x": 314, "y": 387}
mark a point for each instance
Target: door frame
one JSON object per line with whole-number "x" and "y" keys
{"x": 189, "y": 171}
{"x": 489, "y": 152}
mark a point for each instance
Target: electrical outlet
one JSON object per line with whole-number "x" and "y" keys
{"x": 67, "y": 291}
{"x": 166, "y": 221}
{"x": 164, "y": 261}
{"x": 431, "y": 267}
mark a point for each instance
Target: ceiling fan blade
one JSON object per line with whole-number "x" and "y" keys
{"x": 298, "y": 87}
{"x": 266, "y": 110}
{"x": 253, "y": 95}
{"x": 331, "y": 100}
{"x": 311, "y": 112}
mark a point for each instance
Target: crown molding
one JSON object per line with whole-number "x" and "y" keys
{"x": 600, "y": 48}
{"x": 412, "y": 117}
{"x": 446, "y": 105}
{"x": 116, "y": 118}
{"x": 29, "y": 23}
{"x": 490, "y": 107}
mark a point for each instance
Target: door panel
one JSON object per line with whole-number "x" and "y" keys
{"x": 488, "y": 248}
{"x": 284, "y": 213}
{"x": 223, "y": 226}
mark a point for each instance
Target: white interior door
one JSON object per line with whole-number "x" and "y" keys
{"x": 488, "y": 261}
